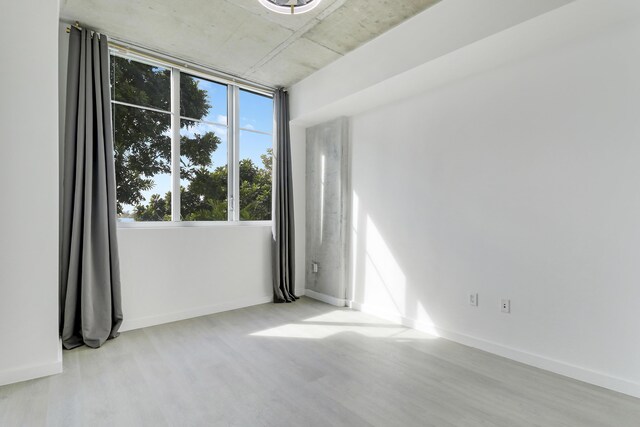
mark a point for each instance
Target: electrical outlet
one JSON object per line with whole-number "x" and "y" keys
{"x": 473, "y": 300}
{"x": 314, "y": 267}
{"x": 505, "y": 306}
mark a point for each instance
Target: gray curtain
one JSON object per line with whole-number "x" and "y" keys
{"x": 90, "y": 307}
{"x": 283, "y": 227}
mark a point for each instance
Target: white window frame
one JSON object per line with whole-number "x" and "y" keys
{"x": 233, "y": 144}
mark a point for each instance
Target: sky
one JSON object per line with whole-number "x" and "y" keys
{"x": 255, "y": 113}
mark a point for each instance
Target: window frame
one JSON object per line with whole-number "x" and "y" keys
{"x": 233, "y": 142}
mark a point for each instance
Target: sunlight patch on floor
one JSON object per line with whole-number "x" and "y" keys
{"x": 340, "y": 322}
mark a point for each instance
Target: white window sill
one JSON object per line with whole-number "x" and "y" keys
{"x": 192, "y": 224}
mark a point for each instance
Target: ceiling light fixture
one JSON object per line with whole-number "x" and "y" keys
{"x": 290, "y": 7}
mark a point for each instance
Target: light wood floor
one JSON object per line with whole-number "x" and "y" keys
{"x": 302, "y": 364}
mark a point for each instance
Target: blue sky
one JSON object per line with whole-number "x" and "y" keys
{"x": 256, "y": 113}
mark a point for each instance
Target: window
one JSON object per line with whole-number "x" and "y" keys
{"x": 188, "y": 148}
{"x": 256, "y": 154}
{"x": 141, "y": 95}
{"x": 204, "y": 150}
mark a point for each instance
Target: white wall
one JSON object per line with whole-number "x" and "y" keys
{"x": 29, "y": 193}
{"x": 520, "y": 182}
{"x": 175, "y": 273}
{"x": 364, "y": 74}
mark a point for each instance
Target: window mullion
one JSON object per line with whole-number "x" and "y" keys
{"x": 175, "y": 144}
{"x": 233, "y": 144}
{"x": 230, "y": 139}
{"x": 236, "y": 153}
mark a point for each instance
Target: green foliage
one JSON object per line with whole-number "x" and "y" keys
{"x": 255, "y": 189}
{"x": 142, "y": 149}
{"x": 205, "y": 199}
{"x": 158, "y": 209}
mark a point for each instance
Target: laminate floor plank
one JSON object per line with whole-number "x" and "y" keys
{"x": 302, "y": 364}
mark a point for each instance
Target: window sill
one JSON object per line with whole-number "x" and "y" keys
{"x": 192, "y": 224}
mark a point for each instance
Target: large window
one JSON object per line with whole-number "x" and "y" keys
{"x": 188, "y": 148}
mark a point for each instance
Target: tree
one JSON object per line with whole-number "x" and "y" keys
{"x": 143, "y": 149}
{"x": 158, "y": 209}
{"x": 255, "y": 188}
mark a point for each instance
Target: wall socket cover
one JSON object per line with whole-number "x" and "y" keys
{"x": 473, "y": 299}
{"x": 505, "y": 306}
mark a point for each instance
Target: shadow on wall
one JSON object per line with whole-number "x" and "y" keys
{"x": 377, "y": 281}
{"x": 378, "y": 272}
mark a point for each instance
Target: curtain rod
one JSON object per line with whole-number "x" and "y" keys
{"x": 74, "y": 25}
{"x": 127, "y": 47}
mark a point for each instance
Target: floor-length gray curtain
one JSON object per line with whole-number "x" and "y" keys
{"x": 283, "y": 226}
{"x": 90, "y": 303}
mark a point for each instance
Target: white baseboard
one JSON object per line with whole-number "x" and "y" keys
{"x": 600, "y": 379}
{"x": 30, "y": 372}
{"x": 144, "y": 322}
{"x": 338, "y": 302}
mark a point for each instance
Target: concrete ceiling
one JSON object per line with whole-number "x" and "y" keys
{"x": 241, "y": 37}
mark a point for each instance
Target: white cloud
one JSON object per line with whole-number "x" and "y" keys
{"x": 202, "y": 128}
